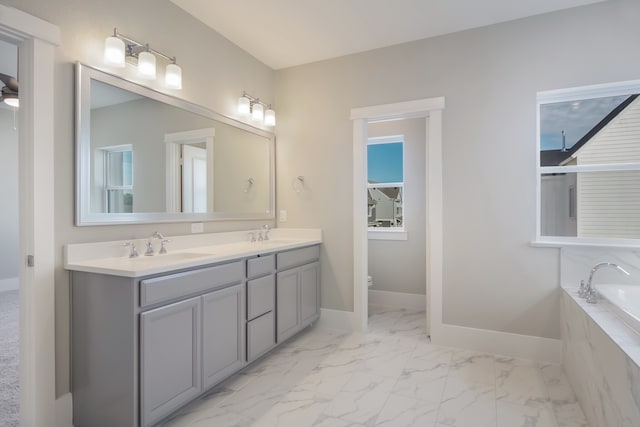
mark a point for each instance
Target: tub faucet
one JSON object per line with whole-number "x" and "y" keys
{"x": 588, "y": 291}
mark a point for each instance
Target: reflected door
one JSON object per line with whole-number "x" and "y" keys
{"x": 194, "y": 179}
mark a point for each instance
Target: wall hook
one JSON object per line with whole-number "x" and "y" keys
{"x": 298, "y": 184}
{"x": 249, "y": 184}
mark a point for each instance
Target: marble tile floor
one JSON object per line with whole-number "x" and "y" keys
{"x": 390, "y": 376}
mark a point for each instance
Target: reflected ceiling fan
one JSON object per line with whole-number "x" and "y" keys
{"x": 10, "y": 90}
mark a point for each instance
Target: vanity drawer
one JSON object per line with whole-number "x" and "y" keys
{"x": 298, "y": 257}
{"x": 261, "y": 296}
{"x": 263, "y": 264}
{"x": 261, "y": 336}
{"x": 172, "y": 286}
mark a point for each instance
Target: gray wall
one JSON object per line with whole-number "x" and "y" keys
{"x": 9, "y": 230}
{"x": 399, "y": 265}
{"x": 493, "y": 278}
{"x": 215, "y": 72}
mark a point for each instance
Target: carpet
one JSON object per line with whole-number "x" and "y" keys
{"x": 9, "y": 359}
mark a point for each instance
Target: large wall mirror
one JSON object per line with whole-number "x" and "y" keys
{"x": 143, "y": 156}
{"x": 589, "y": 163}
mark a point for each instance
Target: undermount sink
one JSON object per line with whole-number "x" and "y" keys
{"x": 276, "y": 242}
{"x": 171, "y": 257}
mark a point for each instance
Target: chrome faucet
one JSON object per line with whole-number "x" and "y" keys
{"x": 588, "y": 291}
{"x": 149, "y": 250}
{"x": 155, "y": 235}
{"x": 163, "y": 246}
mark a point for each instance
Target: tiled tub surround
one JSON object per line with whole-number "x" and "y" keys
{"x": 601, "y": 353}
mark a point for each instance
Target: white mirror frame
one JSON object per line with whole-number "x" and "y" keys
{"x": 84, "y": 216}
{"x": 574, "y": 94}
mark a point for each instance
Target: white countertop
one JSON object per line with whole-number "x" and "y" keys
{"x": 183, "y": 251}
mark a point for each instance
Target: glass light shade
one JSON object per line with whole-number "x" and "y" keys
{"x": 270, "y": 117}
{"x": 258, "y": 112}
{"x": 114, "y": 52}
{"x": 12, "y": 102}
{"x": 173, "y": 76}
{"x": 244, "y": 105}
{"x": 146, "y": 65}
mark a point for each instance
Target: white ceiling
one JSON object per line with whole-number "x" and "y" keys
{"x": 284, "y": 33}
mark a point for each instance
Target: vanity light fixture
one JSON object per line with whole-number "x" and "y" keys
{"x": 248, "y": 105}
{"x": 270, "y": 117}
{"x": 119, "y": 49}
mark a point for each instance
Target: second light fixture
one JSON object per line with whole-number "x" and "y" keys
{"x": 248, "y": 105}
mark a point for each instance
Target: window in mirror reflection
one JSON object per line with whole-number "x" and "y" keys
{"x": 589, "y": 163}
{"x": 118, "y": 178}
{"x": 385, "y": 174}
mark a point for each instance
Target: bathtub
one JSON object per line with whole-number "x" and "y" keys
{"x": 624, "y": 300}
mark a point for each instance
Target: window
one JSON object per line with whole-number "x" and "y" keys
{"x": 385, "y": 175}
{"x": 589, "y": 164}
{"x": 118, "y": 179}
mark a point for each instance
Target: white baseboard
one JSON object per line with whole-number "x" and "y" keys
{"x": 64, "y": 411}
{"x": 10, "y": 284}
{"x": 337, "y": 319}
{"x": 508, "y": 344}
{"x": 546, "y": 350}
{"x": 398, "y": 299}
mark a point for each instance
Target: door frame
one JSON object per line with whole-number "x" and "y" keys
{"x": 36, "y": 40}
{"x": 431, "y": 109}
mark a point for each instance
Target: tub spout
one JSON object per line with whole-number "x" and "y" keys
{"x": 590, "y": 292}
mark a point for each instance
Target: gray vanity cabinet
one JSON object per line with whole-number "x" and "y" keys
{"x": 223, "y": 333}
{"x": 169, "y": 358}
{"x": 144, "y": 347}
{"x": 261, "y": 294}
{"x": 297, "y": 290}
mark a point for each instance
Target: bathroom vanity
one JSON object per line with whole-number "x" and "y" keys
{"x": 151, "y": 334}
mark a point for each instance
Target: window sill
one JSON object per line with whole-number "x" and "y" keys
{"x": 550, "y": 242}
{"x": 376, "y": 234}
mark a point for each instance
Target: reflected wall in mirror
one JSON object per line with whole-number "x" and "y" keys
{"x": 143, "y": 156}
{"x": 589, "y": 162}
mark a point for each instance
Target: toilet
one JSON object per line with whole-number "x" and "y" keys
{"x": 369, "y": 281}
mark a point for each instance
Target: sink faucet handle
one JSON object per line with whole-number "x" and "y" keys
{"x": 149, "y": 250}
{"x": 265, "y": 233}
{"x": 251, "y": 236}
{"x": 134, "y": 251}
{"x": 163, "y": 246}
{"x": 582, "y": 292}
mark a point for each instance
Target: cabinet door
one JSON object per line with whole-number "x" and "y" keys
{"x": 309, "y": 293}
{"x": 170, "y": 358}
{"x": 223, "y": 336}
{"x": 287, "y": 297}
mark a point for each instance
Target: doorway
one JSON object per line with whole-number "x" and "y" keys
{"x": 9, "y": 249}
{"x": 396, "y": 221}
{"x": 431, "y": 109}
{"x": 36, "y": 41}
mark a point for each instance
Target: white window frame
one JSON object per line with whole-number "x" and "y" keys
{"x": 107, "y": 187}
{"x": 390, "y": 233}
{"x": 568, "y": 95}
